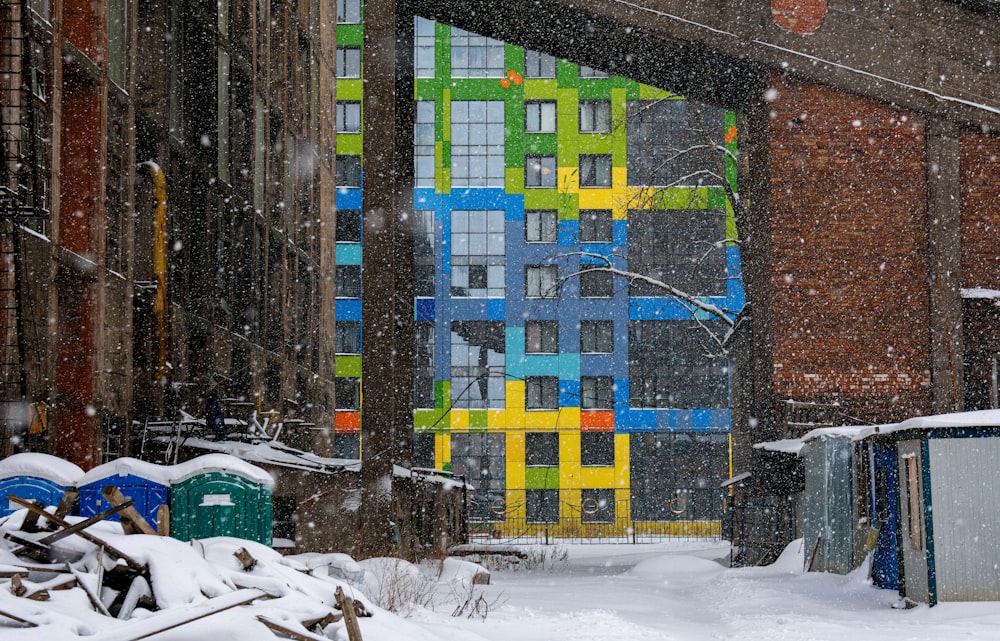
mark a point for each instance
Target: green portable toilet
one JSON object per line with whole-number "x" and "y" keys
{"x": 220, "y": 495}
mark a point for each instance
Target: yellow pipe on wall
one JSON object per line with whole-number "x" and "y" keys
{"x": 159, "y": 263}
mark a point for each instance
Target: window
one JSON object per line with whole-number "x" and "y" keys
{"x": 348, "y": 117}
{"x": 423, "y": 450}
{"x": 478, "y": 253}
{"x": 670, "y": 366}
{"x": 597, "y": 337}
{"x": 423, "y": 253}
{"x": 477, "y": 364}
{"x": 540, "y": 117}
{"x": 348, "y": 337}
{"x": 595, "y": 226}
{"x": 284, "y": 517}
{"x": 481, "y": 459}
{"x": 541, "y": 225}
{"x": 595, "y": 283}
{"x": 348, "y": 11}
{"x": 348, "y": 62}
{"x": 597, "y": 506}
{"x": 682, "y": 248}
{"x": 541, "y": 393}
{"x": 347, "y": 446}
{"x": 595, "y": 116}
{"x": 423, "y": 48}
{"x": 423, "y": 144}
{"x": 541, "y": 449}
{"x": 475, "y": 56}
{"x": 348, "y": 393}
{"x": 540, "y": 171}
{"x": 477, "y": 143}
{"x": 665, "y": 143}
{"x": 541, "y": 281}
{"x": 348, "y": 281}
{"x": 597, "y": 393}
{"x": 539, "y": 65}
{"x": 685, "y": 465}
{"x": 542, "y": 506}
{"x": 348, "y": 171}
{"x": 423, "y": 363}
{"x": 348, "y": 227}
{"x": 595, "y": 170}
{"x": 541, "y": 336}
{"x": 597, "y": 449}
{"x": 913, "y": 507}
{"x": 588, "y": 72}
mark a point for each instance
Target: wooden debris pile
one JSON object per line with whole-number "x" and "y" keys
{"x": 44, "y": 555}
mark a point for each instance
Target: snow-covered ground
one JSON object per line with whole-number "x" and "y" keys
{"x": 675, "y": 590}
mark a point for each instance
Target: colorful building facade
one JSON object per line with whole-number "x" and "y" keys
{"x": 572, "y": 398}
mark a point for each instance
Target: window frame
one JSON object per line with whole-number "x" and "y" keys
{"x": 542, "y": 506}
{"x": 590, "y": 177}
{"x": 538, "y": 168}
{"x": 347, "y": 280}
{"x": 603, "y": 513}
{"x": 341, "y": 228}
{"x": 541, "y": 393}
{"x": 594, "y": 451}
{"x": 540, "y": 107}
{"x": 344, "y": 386}
{"x": 547, "y": 226}
{"x": 596, "y": 220}
{"x": 350, "y": 8}
{"x": 594, "y": 107}
{"x": 348, "y": 68}
{"x": 538, "y": 293}
{"x": 348, "y": 116}
{"x": 548, "y": 337}
{"x": 354, "y": 177}
{"x": 540, "y": 61}
{"x": 597, "y": 323}
{"x": 602, "y": 394}
{"x": 541, "y": 449}
{"x": 595, "y": 283}
{"x": 347, "y": 342}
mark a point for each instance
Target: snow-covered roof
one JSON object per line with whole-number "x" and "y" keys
{"x": 125, "y": 466}
{"x": 980, "y": 292}
{"x": 40, "y": 465}
{"x": 167, "y": 474}
{"x": 980, "y": 418}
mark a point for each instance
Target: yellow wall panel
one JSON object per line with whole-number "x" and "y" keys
{"x": 459, "y": 419}
{"x": 596, "y": 198}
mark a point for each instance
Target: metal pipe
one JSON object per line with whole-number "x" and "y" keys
{"x": 159, "y": 264}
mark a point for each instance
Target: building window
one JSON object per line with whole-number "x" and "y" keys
{"x": 540, "y": 117}
{"x": 597, "y": 449}
{"x": 348, "y": 171}
{"x": 595, "y": 226}
{"x": 541, "y": 393}
{"x": 540, "y": 171}
{"x": 665, "y": 143}
{"x": 539, "y": 65}
{"x": 541, "y": 281}
{"x": 670, "y": 366}
{"x": 348, "y": 337}
{"x": 348, "y": 117}
{"x": 348, "y": 226}
{"x": 597, "y": 505}
{"x": 477, "y": 364}
{"x": 423, "y": 144}
{"x": 595, "y": 116}
{"x": 475, "y": 56}
{"x": 541, "y": 336}
{"x": 668, "y": 466}
{"x": 588, "y": 72}
{"x": 348, "y": 393}
{"x": 597, "y": 393}
{"x": 542, "y": 506}
{"x": 595, "y": 282}
{"x": 347, "y": 446}
{"x": 477, "y": 143}
{"x": 682, "y": 248}
{"x": 284, "y": 517}
{"x": 597, "y": 337}
{"x": 423, "y": 48}
{"x": 348, "y": 281}
{"x": 478, "y": 253}
{"x": 423, "y": 253}
{"x": 541, "y": 225}
{"x": 423, "y": 357}
{"x": 348, "y": 11}
{"x": 595, "y": 170}
{"x": 348, "y": 62}
{"x": 541, "y": 449}
{"x": 481, "y": 459}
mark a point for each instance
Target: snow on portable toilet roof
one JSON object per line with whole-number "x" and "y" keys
{"x": 125, "y": 466}
{"x": 220, "y": 463}
{"x": 40, "y": 465}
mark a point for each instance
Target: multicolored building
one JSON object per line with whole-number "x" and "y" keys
{"x": 569, "y": 396}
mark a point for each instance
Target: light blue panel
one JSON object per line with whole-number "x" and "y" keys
{"x": 348, "y": 253}
{"x": 514, "y": 358}
{"x": 569, "y": 393}
{"x": 347, "y": 309}
{"x": 569, "y": 366}
{"x": 541, "y": 365}
{"x": 348, "y": 198}
{"x": 735, "y": 294}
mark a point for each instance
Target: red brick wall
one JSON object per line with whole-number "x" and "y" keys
{"x": 980, "y": 168}
{"x": 849, "y": 275}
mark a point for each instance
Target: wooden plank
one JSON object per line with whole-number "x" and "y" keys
{"x": 115, "y": 552}
{"x": 245, "y": 559}
{"x": 346, "y": 604}
{"x": 163, "y": 520}
{"x": 76, "y": 527}
{"x": 35, "y": 550}
{"x": 30, "y": 522}
{"x": 288, "y": 632}
{"x": 114, "y": 496}
{"x": 94, "y": 599}
{"x": 26, "y": 623}
{"x": 66, "y": 503}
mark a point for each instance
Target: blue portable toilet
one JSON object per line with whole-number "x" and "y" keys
{"x": 884, "y": 507}
{"x": 33, "y": 476}
{"x": 145, "y": 483}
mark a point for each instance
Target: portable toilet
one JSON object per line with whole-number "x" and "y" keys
{"x": 221, "y": 495}
{"x": 145, "y": 483}
{"x": 33, "y": 476}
